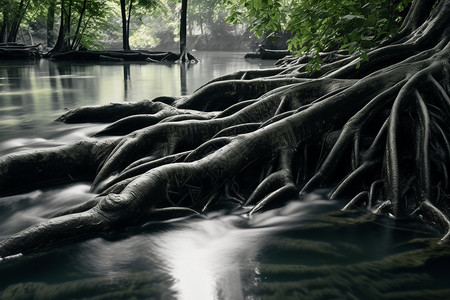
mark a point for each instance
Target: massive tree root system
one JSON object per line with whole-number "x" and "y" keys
{"x": 378, "y": 134}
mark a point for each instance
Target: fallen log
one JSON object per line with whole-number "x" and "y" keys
{"x": 149, "y": 56}
{"x": 18, "y": 51}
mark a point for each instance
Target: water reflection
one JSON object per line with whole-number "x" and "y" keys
{"x": 37, "y": 92}
{"x": 21, "y": 211}
{"x": 49, "y": 136}
{"x": 299, "y": 249}
{"x": 126, "y": 79}
{"x": 212, "y": 259}
{"x": 183, "y": 79}
{"x": 215, "y": 257}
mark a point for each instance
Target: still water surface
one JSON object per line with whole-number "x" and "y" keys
{"x": 304, "y": 250}
{"x": 35, "y": 93}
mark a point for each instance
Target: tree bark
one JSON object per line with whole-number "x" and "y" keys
{"x": 62, "y": 43}
{"x": 3, "y": 29}
{"x": 125, "y": 32}
{"x": 183, "y": 27}
{"x": 51, "y": 23}
{"x": 17, "y": 20}
{"x": 68, "y": 23}
{"x": 77, "y": 31}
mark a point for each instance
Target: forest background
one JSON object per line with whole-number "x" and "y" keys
{"x": 97, "y": 24}
{"x": 307, "y": 27}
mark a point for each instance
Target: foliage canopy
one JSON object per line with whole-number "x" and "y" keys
{"x": 323, "y": 25}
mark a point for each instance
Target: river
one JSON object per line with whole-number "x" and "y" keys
{"x": 306, "y": 249}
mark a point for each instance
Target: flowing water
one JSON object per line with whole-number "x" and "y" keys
{"x": 306, "y": 249}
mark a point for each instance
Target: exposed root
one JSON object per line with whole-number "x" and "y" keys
{"x": 187, "y": 57}
{"x": 140, "y": 167}
{"x": 277, "y": 186}
{"x": 352, "y": 129}
{"x": 422, "y": 147}
{"x": 129, "y": 124}
{"x": 80, "y": 162}
{"x": 114, "y": 111}
{"x": 238, "y": 129}
{"x": 357, "y": 201}
{"x": 435, "y": 215}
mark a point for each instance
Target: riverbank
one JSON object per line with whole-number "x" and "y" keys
{"x": 22, "y": 51}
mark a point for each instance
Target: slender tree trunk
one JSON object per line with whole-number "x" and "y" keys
{"x": 128, "y": 23}
{"x": 82, "y": 31}
{"x": 51, "y": 23}
{"x": 76, "y": 37}
{"x": 190, "y": 27}
{"x": 3, "y": 31}
{"x": 61, "y": 44}
{"x": 12, "y": 34}
{"x": 30, "y": 35}
{"x": 183, "y": 29}
{"x": 68, "y": 27}
{"x": 201, "y": 27}
{"x": 125, "y": 37}
{"x": 22, "y": 36}
{"x": 6, "y": 23}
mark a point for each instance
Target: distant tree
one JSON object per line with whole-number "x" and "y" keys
{"x": 126, "y": 23}
{"x": 13, "y": 12}
{"x": 62, "y": 43}
{"x": 204, "y": 13}
{"x": 184, "y": 53}
{"x": 50, "y": 16}
{"x": 76, "y": 17}
{"x": 183, "y": 29}
{"x": 160, "y": 25}
{"x": 126, "y": 7}
{"x": 4, "y": 6}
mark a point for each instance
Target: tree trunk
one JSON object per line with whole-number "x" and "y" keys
{"x": 30, "y": 34}
{"x": 130, "y": 7}
{"x": 125, "y": 36}
{"x": 3, "y": 30}
{"x": 76, "y": 36}
{"x": 15, "y": 24}
{"x": 183, "y": 25}
{"x": 62, "y": 42}
{"x": 51, "y": 23}
{"x": 69, "y": 25}
{"x": 6, "y": 25}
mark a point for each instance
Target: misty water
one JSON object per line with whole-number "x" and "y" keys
{"x": 306, "y": 249}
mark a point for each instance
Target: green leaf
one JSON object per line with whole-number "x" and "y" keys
{"x": 324, "y": 25}
{"x": 364, "y": 56}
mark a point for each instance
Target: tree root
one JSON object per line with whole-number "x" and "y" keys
{"x": 78, "y": 161}
{"x": 277, "y": 186}
{"x": 114, "y": 111}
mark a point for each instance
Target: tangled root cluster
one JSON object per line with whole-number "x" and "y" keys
{"x": 377, "y": 134}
